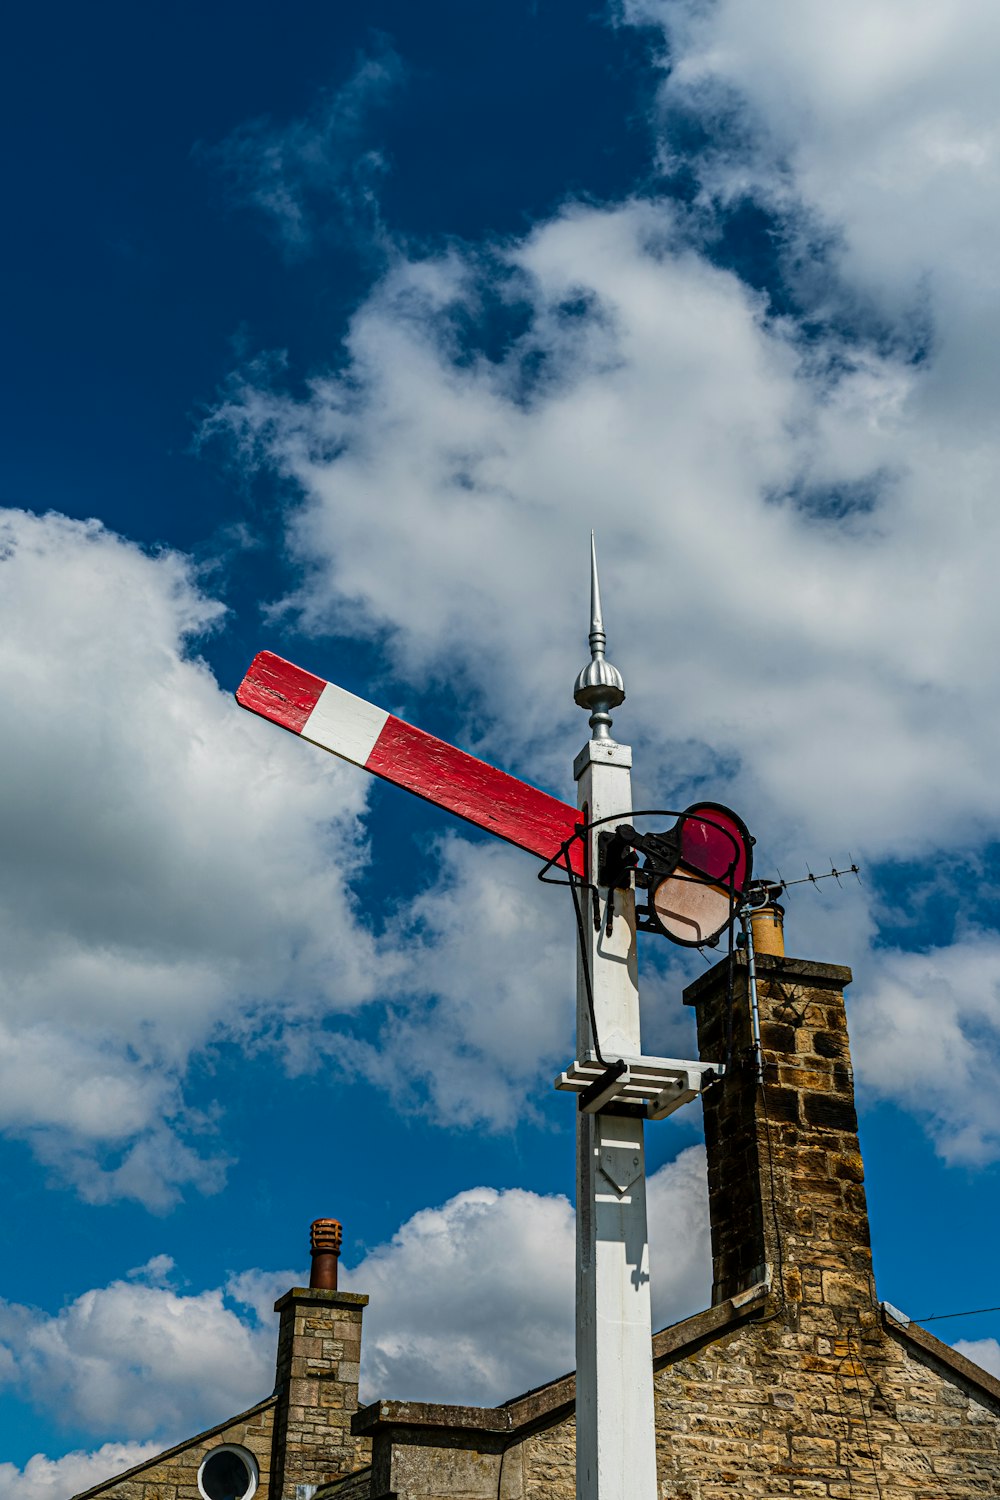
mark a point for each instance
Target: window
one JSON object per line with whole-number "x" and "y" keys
{"x": 228, "y": 1473}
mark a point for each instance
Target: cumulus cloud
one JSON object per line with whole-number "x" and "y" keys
{"x": 45, "y": 1478}
{"x": 176, "y": 875}
{"x": 168, "y": 862}
{"x": 984, "y": 1352}
{"x": 139, "y": 1360}
{"x": 927, "y": 1031}
{"x": 480, "y": 1003}
{"x": 795, "y": 509}
{"x": 876, "y": 120}
{"x": 494, "y": 1311}
{"x": 495, "y": 1273}
{"x": 471, "y": 1301}
{"x": 477, "y": 1011}
{"x": 315, "y": 177}
{"x": 804, "y": 654}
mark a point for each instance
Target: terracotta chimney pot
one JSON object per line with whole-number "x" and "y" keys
{"x": 768, "y": 923}
{"x": 325, "y": 1239}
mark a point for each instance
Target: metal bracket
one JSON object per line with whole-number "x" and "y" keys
{"x": 604, "y": 1087}
{"x": 653, "y": 1087}
{"x": 616, "y": 860}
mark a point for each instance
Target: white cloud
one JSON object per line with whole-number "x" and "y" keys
{"x": 983, "y": 1352}
{"x": 157, "y": 1271}
{"x": 169, "y": 862}
{"x": 926, "y": 1031}
{"x": 141, "y": 1361}
{"x": 259, "y": 1290}
{"x": 878, "y": 118}
{"x": 176, "y": 875}
{"x": 836, "y": 663}
{"x": 473, "y": 1301}
{"x": 796, "y": 518}
{"x": 479, "y": 977}
{"x": 45, "y": 1478}
{"x": 175, "y": 861}
{"x": 470, "y": 1301}
{"x": 481, "y": 999}
{"x": 680, "y": 1251}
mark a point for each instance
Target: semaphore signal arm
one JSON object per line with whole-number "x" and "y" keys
{"x": 368, "y": 736}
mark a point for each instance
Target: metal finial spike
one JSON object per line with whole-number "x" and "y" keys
{"x": 598, "y": 640}
{"x": 599, "y": 686}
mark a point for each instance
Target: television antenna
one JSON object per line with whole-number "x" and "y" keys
{"x": 693, "y": 875}
{"x": 778, "y": 887}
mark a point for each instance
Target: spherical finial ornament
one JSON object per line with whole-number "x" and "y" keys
{"x": 599, "y": 687}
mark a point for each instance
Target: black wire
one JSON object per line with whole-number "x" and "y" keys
{"x": 584, "y": 959}
{"x": 730, "y": 997}
{"x": 972, "y": 1313}
{"x": 864, "y": 1414}
{"x": 573, "y": 881}
{"x": 845, "y": 1418}
{"x": 582, "y": 829}
{"x": 904, "y": 1427}
{"x": 730, "y": 976}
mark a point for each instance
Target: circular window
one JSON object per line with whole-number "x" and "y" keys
{"x": 228, "y": 1473}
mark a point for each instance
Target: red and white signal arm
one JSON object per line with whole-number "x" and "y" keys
{"x": 368, "y": 736}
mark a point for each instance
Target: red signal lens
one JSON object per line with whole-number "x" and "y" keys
{"x": 715, "y": 842}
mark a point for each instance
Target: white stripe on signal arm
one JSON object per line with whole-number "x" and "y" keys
{"x": 344, "y": 724}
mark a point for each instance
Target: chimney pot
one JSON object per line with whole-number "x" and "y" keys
{"x": 768, "y": 923}
{"x": 325, "y": 1239}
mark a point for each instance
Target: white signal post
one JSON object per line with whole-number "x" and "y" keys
{"x": 618, "y": 1088}
{"x": 615, "y": 1423}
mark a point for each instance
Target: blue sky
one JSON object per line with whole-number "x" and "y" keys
{"x": 335, "y": 334}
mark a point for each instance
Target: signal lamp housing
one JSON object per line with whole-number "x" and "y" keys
{"x": 694, "y": 873}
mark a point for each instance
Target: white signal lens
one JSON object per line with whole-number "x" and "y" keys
{"x": 689, "y": 909}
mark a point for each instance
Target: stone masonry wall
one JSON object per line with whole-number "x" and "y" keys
{"x": 767, "y": 1413}
{"x": 785, "y": 1176}
{"x": 319, "y": 1354}
{"x": 174, "y": 1475}
{"x": 550, "y": 1463}
{"x": 820, "y": 1395}
{"x": 816, "y": 1393}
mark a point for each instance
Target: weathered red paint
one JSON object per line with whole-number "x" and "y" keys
{"x": 422, "y": 764}
{"x": 715, "y": 844}
{"x": 473, "y": 790}
{"x": 279, "y": 691}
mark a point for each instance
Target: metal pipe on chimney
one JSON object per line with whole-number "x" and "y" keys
{"x": 325, "y": 1239}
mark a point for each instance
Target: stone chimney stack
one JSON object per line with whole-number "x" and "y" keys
{"x": 316, "y": 1379}
{"x": 785, "y": 1177}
